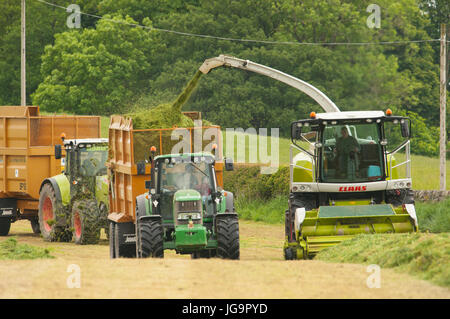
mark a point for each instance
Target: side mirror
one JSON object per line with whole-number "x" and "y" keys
{"x": 296, "y": 131}
{"x": 405, "y": 129}
{"x": 58, "y": 151}
{"x": 229, "y": 165}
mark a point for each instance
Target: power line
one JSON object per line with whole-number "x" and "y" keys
{"x": 237, "y": 39}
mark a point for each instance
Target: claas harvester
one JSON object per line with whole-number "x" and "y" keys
{"x": 162, "y": 199}
{"x": 351, "y": 174}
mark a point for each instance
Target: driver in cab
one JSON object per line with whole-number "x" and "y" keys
{"x": 346, "y": 148}
{"x": 90, "y": 164}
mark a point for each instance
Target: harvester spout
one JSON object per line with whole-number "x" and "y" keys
{"x": 311, "y": 91}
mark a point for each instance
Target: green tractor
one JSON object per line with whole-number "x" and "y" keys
{"x": 74, "y": 204}
{"x": 185, "y": 210}
{"x": 351, "y": 175}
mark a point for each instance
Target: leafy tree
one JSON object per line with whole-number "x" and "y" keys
{"x": 42, "y": 23}
{"x": 97, "y": 71}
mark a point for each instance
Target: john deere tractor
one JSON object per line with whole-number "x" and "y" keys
{"x": 74, "y": 204}
{"x": 185, "y": 210}
{"x": 351, "y": 175}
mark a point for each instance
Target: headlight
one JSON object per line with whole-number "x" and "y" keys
{"x": 186, "y": 216}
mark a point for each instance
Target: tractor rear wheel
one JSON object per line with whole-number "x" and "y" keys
{"x": 151, "y": 239}
{"x": 227, "y": 229}
{"x": 51, "y": 215}
{"x": 85, "y": 222}
{"x": 5, "y": 225}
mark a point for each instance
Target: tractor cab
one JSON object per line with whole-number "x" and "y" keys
{"x": 85, "y": 164}
{"x": 351, "y": 147}
{"x": 186, "y": 186}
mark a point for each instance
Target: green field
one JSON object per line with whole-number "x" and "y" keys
{"x": 424, "y": 255}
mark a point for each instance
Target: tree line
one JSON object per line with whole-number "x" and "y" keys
{"x": 106, "y": 67}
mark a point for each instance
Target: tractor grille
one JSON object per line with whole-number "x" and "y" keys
{"x": 190, "y": 206}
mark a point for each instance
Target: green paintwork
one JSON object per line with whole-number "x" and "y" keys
{"x": 395, "y": 170}
{"x": 302, "y": 174}
{"x": 190, "y": 238}
{"x": 64, "y": 188}
{"x": 186, "y": 195}
{"x": 355, "y": 211}
{"x": 148, "y": 207}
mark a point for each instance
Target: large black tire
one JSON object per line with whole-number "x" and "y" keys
{"x": 52, "y": 216}
{"x": 290, "y": 253}
{"x": 151, "y": 239}
{"x": 35, "y": 225}
{"x": 86, "y": 222}
{"x": 112, "y": 249}
{"x": 5, "y": 226}
{"x": 227, "y": 229}
{"x": 297, "y": 200}
{"x": 127, "y": 251}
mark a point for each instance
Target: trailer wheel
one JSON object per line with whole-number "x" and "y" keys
{"x": 49, "y": 221}
{"x": 35, "y": 225}
{"x": 227, "y": 237}
{"x": 5, "y": 225}
{"x": 85, "y": 222}
{"x": 151, "y": 239}
{"x": 112, "y": 249}
{"x": 127, "y": 251}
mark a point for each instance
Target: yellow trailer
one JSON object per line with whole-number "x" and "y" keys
{"x": 27, "y": 157}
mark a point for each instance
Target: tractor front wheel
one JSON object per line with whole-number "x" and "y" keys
{"x": 85, "y": 220}
{"x": 290, "y": 253}
{"x": 227, "y": 228}
{"x": 5, "y": 225}
{"x": 151, "y": 239}
{"x": 35, "y": 225}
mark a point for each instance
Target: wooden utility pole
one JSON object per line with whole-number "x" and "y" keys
{"x": 23, "y": 79}
{"x": 443, "y": 99}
